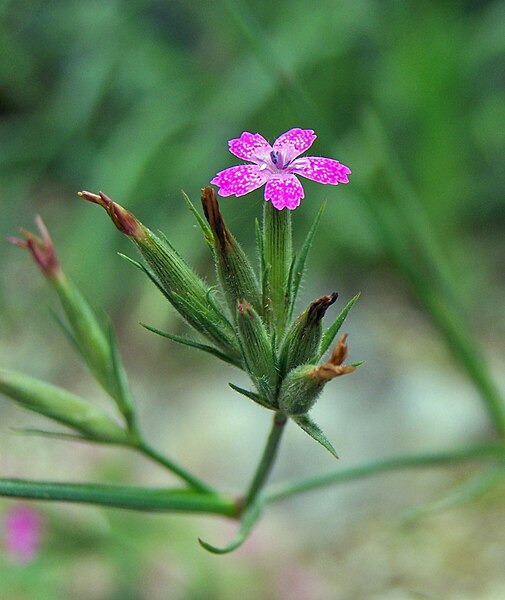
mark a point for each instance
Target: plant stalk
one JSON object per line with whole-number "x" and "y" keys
{"x": 193, "y": 481}
{"x": 267, "y": 460}
{"x": 481, "y": 452}
{"x": 118, "y": 496}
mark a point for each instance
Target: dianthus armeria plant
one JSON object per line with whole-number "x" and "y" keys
{"x": 250, "y": 323}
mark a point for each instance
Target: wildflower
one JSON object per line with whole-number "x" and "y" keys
{"x": 22, "y": 532}
{"x": 277, "y": 166}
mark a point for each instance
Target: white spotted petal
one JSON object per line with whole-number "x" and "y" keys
{"x": 238, "y": 181}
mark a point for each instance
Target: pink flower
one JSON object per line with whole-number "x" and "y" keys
{"x": 277, "y": 166}
{"x": 22, "y": 532}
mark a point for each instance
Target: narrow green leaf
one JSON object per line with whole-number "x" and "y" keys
{"x": 207, "y": 232}
{"x": 58, "y": 435}
{"x": 253, "y": 396}
{"x": 298, "y": 267}
{"x": 132, "y": 261}
{"x": 193, "y": 344}
{"x": 120, "y": 496}
{"x": 468, "y": 491}
{"x": 333, "y": 329}
{"x": 249, "y": 519}
{"x": 308, "y": 425}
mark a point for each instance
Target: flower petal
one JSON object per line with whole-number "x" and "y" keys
{"x": 239, "y": 180}
{"x": 248, "y": 145}
{"x": 284, "y": 192}
{"x": 320, "y": 169}
{"x": 294, "y": 142}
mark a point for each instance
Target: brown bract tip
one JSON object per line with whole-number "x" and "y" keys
{"x": 211, "y": 211}
{"x": 41, "y": 248}
{"x": 124, "y": 220}
{"x": 318, "y": 308}
{"x": 334, "y": 367}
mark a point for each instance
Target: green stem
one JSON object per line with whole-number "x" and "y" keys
{"x": 284, "y": 490}
{"x": 118, "y": 496}
{"x": 166, "y": 462}
{"x": 267, "y": 460}
{"x": 278, "y": 251}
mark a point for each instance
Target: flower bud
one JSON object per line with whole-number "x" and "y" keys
{"x": 302, "y": 386}
{"x": 87, "y": 333}
{"x": 257, "y": 351}
{"x": 60, "y": 405}
{"x": 189, "y": 294}
{"x": 303, "y": 338}
{"x": 41, "y": 249}
{"x": 234, "y": 269}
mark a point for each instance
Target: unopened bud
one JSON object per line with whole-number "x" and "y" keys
{"x": 41, "y": 248}
{"x": 303, "y": 385}
{"x": 63, "y": 406}
{"x": 124, "y": 220}
{"x": 233, "y": 267}
{"x": 189, "y": 294}
{"x": 257, "y": 351}
{"x": 303, "y": 338}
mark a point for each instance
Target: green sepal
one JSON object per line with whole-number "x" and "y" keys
{"x": 194, "y": 344}
{"x": 277, "y": 256}
{"x": 308, "y": 425}
{"x": 256, "y": 347}
{"x": 333, "y": 329}
{"x": 297, "y": 269}
{"x": 235, "y": 273}
{"x": 220, "y": 332}
{"x": 206, "y": 230}
{"x": 253, "y": 396}
{"x": 249, "y": 519}
{"x": 303, "y": 338}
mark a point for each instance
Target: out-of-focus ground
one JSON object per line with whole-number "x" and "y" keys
{"x": 139, "y": 99}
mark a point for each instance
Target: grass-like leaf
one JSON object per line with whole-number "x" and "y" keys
{"x": 194, "y": 344}
{"x": 308, "y": 425}
{"x": 468, "y": 491}
{"x": 333, "y": 329}
{"x": 249, "y": 518}
{"x": 206, "y": 230}
{"x": 253, "y": 396}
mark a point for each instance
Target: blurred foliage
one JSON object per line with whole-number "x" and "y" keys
{"x": 139, "y": 98}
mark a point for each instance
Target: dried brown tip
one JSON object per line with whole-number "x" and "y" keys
{"x": 124, "y": 220}
{"x": 41, "y": 248}
{"x": 214, "y": 218}
{"x": 334, "y": 367}
{"x": 318, "y": 308}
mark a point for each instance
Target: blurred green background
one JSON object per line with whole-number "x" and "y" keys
{"x": 139, "y": 99}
